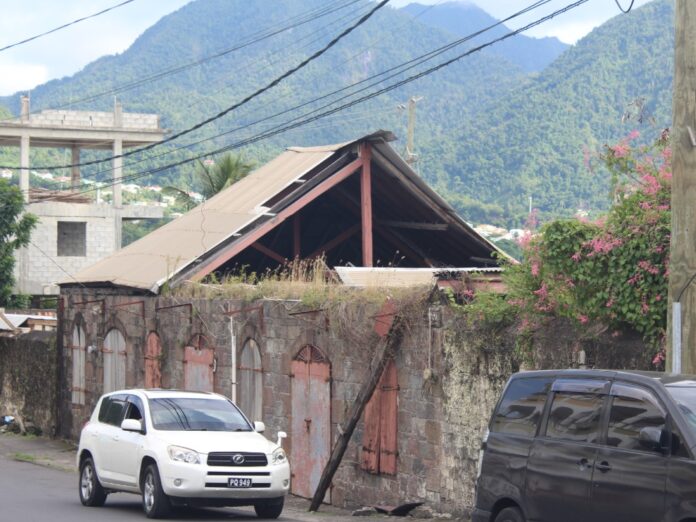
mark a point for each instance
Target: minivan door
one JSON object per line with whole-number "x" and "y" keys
{"x": 559, "y": 469}
{"x": 630, "y": 475}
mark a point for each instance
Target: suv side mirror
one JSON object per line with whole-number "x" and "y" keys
{"x": 132, "y": 425}
{"x": 281, "y": 435}
{"x": 652, "y": 438}
{"x": 259, "y": 427}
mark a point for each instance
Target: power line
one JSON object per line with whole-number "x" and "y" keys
{"x": 229, "y": 109}
{"x": 625, "y": 11}
{"x": 400, "y": 68}
{"x": 283, "y": 128}
{"x": 258, "y": 36}
{"x": 66, "y": 25}
{"x": 397, "y": 70}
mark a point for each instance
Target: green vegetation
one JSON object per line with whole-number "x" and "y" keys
{"x": 605, "y": 274}
{"x": 15, "y": 230}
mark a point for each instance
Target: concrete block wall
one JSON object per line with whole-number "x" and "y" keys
{"x": 40, "y": 263}
{"x": 90, "y": 119}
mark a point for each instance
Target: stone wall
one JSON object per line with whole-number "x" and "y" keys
{"x": 29, "y": 380}
{"x": 449, "y": 375}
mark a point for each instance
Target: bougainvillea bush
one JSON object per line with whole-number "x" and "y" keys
{"x": 610, "y": 273}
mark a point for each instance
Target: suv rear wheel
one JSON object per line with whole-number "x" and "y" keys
{"x": 510, "y": 514}
{"x": 155, "y": 501}
{"x": 92, "y": 493}
{"x": 272, "y": 508}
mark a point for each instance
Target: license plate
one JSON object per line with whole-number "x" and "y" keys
{"x": 239, "y": 483}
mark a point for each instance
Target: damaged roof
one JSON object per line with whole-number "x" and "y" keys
{"x": 256, "y": 222}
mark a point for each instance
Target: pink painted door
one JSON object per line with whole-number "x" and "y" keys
{"x": 311, "y": 420}
{"x": 199, "y": 361}
{"x": 153, "y": 352}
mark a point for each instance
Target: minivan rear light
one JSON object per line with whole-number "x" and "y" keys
{"x": 484, "y": 444}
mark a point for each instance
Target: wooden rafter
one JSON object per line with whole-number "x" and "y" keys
{"x": 366, "y": 204}
{"x": 343, "y": 236}
{"x": 413, "y": 225}
{"x": 216, "y": 260}
{"x": 268, "y": 252}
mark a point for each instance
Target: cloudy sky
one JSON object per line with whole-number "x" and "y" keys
{"x": 67, "y": 51}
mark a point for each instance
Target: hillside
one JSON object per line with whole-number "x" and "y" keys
{"x": 462, "y": 18}
{"x": 204, "y": 27}
{"x": 490, "y": 135}
{"x": 534, "y": 141}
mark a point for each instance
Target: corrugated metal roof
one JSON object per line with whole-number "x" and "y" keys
{"x": 398, "y": 277}
{"x": 147, "y": 263}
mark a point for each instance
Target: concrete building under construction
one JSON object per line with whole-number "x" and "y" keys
{"x": 74, "y": 231}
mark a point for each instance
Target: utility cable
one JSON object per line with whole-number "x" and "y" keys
{"x": 229, "y": 109}
{"x": 284, "y": 128}
{"x": 625, "y": 11}
{"x": 254, "y": 38}
{"x": 411, "y": 63}
{"x": 65, "y": 25}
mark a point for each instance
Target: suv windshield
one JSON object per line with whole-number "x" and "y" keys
{"x": 190, "y": 414}
{"x": 685, "y": 397}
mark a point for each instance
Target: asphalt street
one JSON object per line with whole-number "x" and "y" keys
{"x": 33, "y": 493}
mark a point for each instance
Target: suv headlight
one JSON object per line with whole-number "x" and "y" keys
{"x": 279, "y": 456}
{"x": 180, "y": 454}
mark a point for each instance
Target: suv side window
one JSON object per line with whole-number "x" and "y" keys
{"x": 521, "y": 407}
{"x": 632, "y": 409}
{"x": 575, "y": 416}
{"x": 114, "y": 411}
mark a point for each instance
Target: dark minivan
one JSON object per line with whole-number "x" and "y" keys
{"x": 595, "y": 445}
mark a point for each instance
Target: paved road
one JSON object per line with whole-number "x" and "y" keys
{"x": 32, "y": 493}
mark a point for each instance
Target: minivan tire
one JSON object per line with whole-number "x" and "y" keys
{"x": 155, "y": 501}
{"x": 92, "y": 493}
{"x": 271, "y": 508}
{"x": 510, "y": 514}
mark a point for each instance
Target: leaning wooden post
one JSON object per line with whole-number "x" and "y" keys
{"x": 388, "y": 327}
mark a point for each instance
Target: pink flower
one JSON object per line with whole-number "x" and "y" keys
{"x": 633, "y": 135}
{"x": 610, "y": 303}
{"x": 620, "y": 150}
{"x": 576, "y": 257}
{"x": 583, "y": 319}
{"x": 535, "y": 268}
{"x": 644, "y": 307}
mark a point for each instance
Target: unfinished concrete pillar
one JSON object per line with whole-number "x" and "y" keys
{"x": 24, "y": 166}
{"x": 25, "y": 109}
{"x": 75, "y": 173}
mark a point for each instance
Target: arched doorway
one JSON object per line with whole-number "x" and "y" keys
{"x": 199, "y": 365}
{"x": 79, "y": 356}
{"x": 114, "y": 361}
{"x": 250, "y": 377}
{"x": 153, "y": 353}
{"x": 311, "y": 419}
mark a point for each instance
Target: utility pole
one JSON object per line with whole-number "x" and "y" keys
{"x": 681, "y": 321}
{"x": 411, "y": 156}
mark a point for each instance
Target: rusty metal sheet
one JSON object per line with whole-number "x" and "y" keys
{"x": 250, "y": 379}
{"x": 153, "y": 352}
{"x": 311, "y": 420}
{"x": 198, "y": 369}
{"x": 114, "y": 361}
{"x": 389, "y": 421}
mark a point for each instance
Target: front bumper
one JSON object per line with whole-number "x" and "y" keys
{"x": 200, "y": 481}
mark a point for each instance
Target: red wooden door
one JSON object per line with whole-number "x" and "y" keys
{"x": 311, "y": 420}
{"x": 379, "y": 451}
{"x": 153, "y": 352}
{"x": 199, "y": 361}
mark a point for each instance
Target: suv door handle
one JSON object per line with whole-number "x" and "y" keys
{"x": 603, "y": 466}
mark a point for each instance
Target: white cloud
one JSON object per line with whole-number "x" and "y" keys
{"x": 21, "y": 76}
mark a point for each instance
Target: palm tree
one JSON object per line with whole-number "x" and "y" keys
{"x": 213, "y": 176}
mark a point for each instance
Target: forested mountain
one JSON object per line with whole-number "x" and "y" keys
{"x": 462, "y": 18}
{"x": 534, "y": 142}
{"x": 489, "y": 133}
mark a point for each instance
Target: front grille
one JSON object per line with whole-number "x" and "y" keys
{"x": 228, "y": 459}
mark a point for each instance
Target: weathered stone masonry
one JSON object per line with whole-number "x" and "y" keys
{"x": 449, "y": 378}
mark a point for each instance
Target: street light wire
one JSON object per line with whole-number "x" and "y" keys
{"x": 94, "y": 15}
{"x": 625, "y": 11}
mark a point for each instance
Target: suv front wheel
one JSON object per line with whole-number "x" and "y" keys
{"x": 155, "y": 501}
{"x": 510, "y": 514}
{"x": 271, "y": 508}
{"x": 92, "y": 493}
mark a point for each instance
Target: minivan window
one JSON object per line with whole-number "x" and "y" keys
{"x": 575, "y": 417}
{"x": 114, "y": 412}
{"x": 630, "y": 414}
{"x": 521, "y": 407}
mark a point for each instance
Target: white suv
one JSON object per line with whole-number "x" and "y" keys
{"x": 180, "y": 448}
